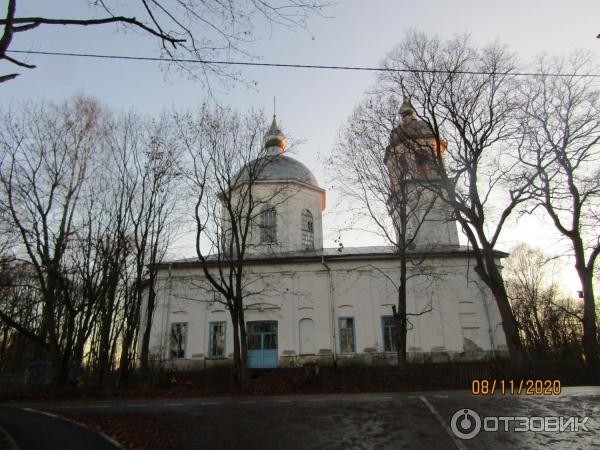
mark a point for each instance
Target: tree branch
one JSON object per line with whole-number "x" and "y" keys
{"x": 19, "y": 63}
{"x": 32, "y": 22}
{"x": 10, "y": 76}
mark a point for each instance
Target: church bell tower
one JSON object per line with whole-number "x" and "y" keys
{"x": 411, "y": 168}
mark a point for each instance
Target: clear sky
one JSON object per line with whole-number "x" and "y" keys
{"x": 312, "y": 104}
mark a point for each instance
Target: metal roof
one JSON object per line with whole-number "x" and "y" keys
{"x": 376, "y": 252}
{"x": 279, "y": 167}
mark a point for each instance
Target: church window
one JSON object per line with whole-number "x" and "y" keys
{"x": 178, "y": 340}
{"x": 268, "y": 225}
{"x": 216, "y": 340}
{"x": 227, "y": 239}
{"x": 389, "y": 327}
{"x": 347, "y": 335}
{"x": 308, "y": 233}
{"x": 422, "y": 163}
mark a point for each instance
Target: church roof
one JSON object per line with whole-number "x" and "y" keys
{"x": 354, "y": 253}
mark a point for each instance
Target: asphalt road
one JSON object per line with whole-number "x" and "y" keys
{"x": 37, "y": 430}
{"x": 365, "y": 421}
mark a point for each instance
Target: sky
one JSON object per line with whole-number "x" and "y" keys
{"x": 312, "y": 104}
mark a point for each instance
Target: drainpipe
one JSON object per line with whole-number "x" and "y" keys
{"x": 331, "y": 309}
{"x": 168, "y": 331}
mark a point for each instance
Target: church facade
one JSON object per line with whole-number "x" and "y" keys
{"x": 313, "y": 304}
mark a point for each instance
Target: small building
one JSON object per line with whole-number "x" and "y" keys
{"x": 329, "y": 304}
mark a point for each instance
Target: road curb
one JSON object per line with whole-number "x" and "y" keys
{"x": 113, "y": 441}
{"x": 6, "y": 441}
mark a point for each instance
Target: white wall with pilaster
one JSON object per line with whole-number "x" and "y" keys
{"x": 459, "y": 318}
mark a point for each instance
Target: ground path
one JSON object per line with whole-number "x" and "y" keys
{"x": 340, "y": 421}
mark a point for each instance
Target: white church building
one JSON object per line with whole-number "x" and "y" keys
{"x": 329, "y": 305}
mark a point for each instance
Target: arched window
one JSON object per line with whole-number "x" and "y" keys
{"x": 308, "y": 234}
{"x": 268, "y": 225}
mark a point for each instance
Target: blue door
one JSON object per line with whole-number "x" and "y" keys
{"x": 262, "y": 344}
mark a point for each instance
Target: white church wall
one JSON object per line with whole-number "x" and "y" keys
{"x": 311, "y": 299}
{"x": 456, "y": 328}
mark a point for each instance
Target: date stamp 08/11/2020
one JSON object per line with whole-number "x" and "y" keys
{"x": 515, "y": 387}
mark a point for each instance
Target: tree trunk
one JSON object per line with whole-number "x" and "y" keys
{"x": 59, "y": 376}
{"x": 67, "y": 353}
{"x": 59, "y": 368}
{"x": 106, "y": 325}
{"x": 401, "y": 329}
{"x": 509, "y": 326}
{"x": 4, "y": 343}
{"x": 237, "y": 371}
{"x": 131, "y": 326}
{"x": 104, "y": 348}
{"x": 490, "y": 274}
{"x": 400, "y": 317}
{"x": 145, "y": 350}
{"x": 40, "y": 351}
{"x": 400, "y": 334}
{"x": 124, "y": 361}
{"x": 244, "y": 375}
{"x": 590, "y": 333}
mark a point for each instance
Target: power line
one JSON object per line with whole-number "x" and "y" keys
{"x": 302, "y": 66}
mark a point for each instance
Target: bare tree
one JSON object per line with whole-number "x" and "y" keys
{"x": 146, "y": 163}
{"x": 93, "y": 199}
{"x": 376, "y": 166}
{"x": 235, "y": 212}
{"x": 466, "y": 96}
{"x": 561, "y": 121}
{"x": 203, "y": 30}
{"x": 549, "y": 322}
{"x": 47, "y": 153}
{"x": 100, "y": 256}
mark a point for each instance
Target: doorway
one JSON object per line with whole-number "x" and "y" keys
{"x": 262, "y": 344}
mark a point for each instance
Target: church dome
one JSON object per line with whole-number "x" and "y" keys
{"x": 279, "y": 168}
{"x": 275, "y": 166}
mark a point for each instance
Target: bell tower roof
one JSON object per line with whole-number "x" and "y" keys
{"x": 407, "y": 110}
{"x": 410, "y": 126}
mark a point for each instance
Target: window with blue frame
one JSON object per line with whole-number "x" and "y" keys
{"x": 346, "y": 325}
{"x": 389, "y": 327}
{"x": 178, "y": 340}
{"x": 216, "y": 340}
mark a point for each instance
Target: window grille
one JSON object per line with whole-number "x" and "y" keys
{"x": 178, "y": 340}
{"x": 308, "y": 234}
{"x": 389, "y": 327}
{"x": 347, "y": 335}
{"x": 216, "y": 341}
{"x": 268, "y": 225}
